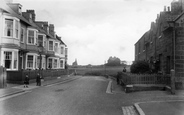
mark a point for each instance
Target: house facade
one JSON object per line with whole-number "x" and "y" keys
{"x": 27, "y": 44}
{"x": 163, "y": 45}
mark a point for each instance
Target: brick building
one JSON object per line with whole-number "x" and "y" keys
{"x": 27, "y": 45}
{"x": 163, "y": 45}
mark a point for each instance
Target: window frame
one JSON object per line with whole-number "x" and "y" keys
{"x": 49, "y": 45}
{"x": 34, "y": 61}
{"x": 13, "y": 51}
{"x": 56, "y": 47}
{"x": 62, "y": 50}
{"x": 62, "y": 63}
{"x": 34, "y": 37}
{"x": 22, "y": 35}
{"x": 15, "y": 21}
{"x": 43, "y": 39}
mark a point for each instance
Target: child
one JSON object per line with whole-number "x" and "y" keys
{"x": 26, "y": 81}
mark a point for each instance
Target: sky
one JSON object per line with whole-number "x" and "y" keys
{"x": 94, "y": 30}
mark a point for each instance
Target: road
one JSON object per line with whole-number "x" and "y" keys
{"x": 84, "y": 96}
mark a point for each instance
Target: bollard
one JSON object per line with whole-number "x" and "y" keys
{"x": 172, "y": 81}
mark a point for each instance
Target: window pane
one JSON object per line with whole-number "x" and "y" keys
{"x": 16, "y": 28}
{"x": 8, "y": 27}
{"x": 22, "y": 35}
{"x": 62, "y": 50}
{"x": 61, "y": 63}
{"x": 51, "y": 45}
{"x": 55, "y": 63}
{"x": 15, "y": 60}
{"x": 8, "y": 59}
{"x": 30, "y": 61}
{"x": 56, "y": 47}
{"x": 31, "y": 36}
{"x": 38, "y": 63}
{"x": 50, "y": 63}
{"x": 40, "y": 40}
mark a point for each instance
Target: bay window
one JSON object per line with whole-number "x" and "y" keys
{"x": 11, "y": 27}
{"x": 10, "y": 59}
{"x": 30, "y": 61}
{"x": 8, "y": 27}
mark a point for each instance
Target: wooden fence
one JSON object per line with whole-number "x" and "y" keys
{"x": 155, "y": 79}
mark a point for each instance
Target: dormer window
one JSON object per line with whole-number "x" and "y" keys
{"x": 20, "y": 10}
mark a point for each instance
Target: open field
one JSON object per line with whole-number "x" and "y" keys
{"x": 101, "y": 71}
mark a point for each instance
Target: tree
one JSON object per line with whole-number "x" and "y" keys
{"x": 140, "y": 67}
{"x": 113, "y": 61}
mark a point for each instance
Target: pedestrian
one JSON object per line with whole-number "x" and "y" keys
{"x": 124, "y": 69}
{"x": 38, "y": 80}
{"x": 118, "y": 77}
{"x": 26, "y": 81}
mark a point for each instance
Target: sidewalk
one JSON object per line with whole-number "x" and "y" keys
{"x": 169, "y": 105}
{"x": 15, "y": 88}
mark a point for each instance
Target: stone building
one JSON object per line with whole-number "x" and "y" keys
{"x": 163, "y": 45}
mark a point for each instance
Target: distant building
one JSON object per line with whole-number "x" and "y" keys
{"x": 163, "y": 45}
{"x": 75, "y": 64}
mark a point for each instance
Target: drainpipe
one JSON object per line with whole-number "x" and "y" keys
{"x": 173, "y": 71}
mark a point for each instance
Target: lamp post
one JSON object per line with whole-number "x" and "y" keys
{"x": 40, "y": 50}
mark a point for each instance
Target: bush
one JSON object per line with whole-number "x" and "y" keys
{"x": 140, "y": 67}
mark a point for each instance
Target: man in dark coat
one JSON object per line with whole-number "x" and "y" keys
{"x": 26, "y": 81}
{"x": 118, "y": 77}
{"x": 38, "y": 80}
{"x": 124, "y": 69}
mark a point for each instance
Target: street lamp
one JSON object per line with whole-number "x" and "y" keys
{"x": 40, "y": 50}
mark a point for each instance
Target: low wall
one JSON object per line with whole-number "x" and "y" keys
{"x": 19, "y": 76}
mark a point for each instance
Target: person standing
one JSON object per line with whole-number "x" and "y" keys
{"x": 38, "y": 80}
{"x": 124, "y": 69}
{"x": 26, "y": 81}
{"x": 118, "y": 78}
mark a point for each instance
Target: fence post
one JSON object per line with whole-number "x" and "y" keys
{"x": 172, "y": 81}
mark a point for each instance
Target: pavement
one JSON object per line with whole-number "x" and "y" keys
{"x": 12, "y": 89}
{"x": 160, "y": 103}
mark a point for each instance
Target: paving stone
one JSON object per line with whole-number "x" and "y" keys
{"x": 129, "y": 110}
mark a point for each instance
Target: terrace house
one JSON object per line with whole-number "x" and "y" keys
{"x": 27, "y": 44}
{"x": 163, "y": 45}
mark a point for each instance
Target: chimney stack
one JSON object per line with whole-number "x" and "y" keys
{"x": 32, "y": 12}
{"x": 168, "y": 9}
{"x": 51, "y": 29}
{"x": 164, "y": 8}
